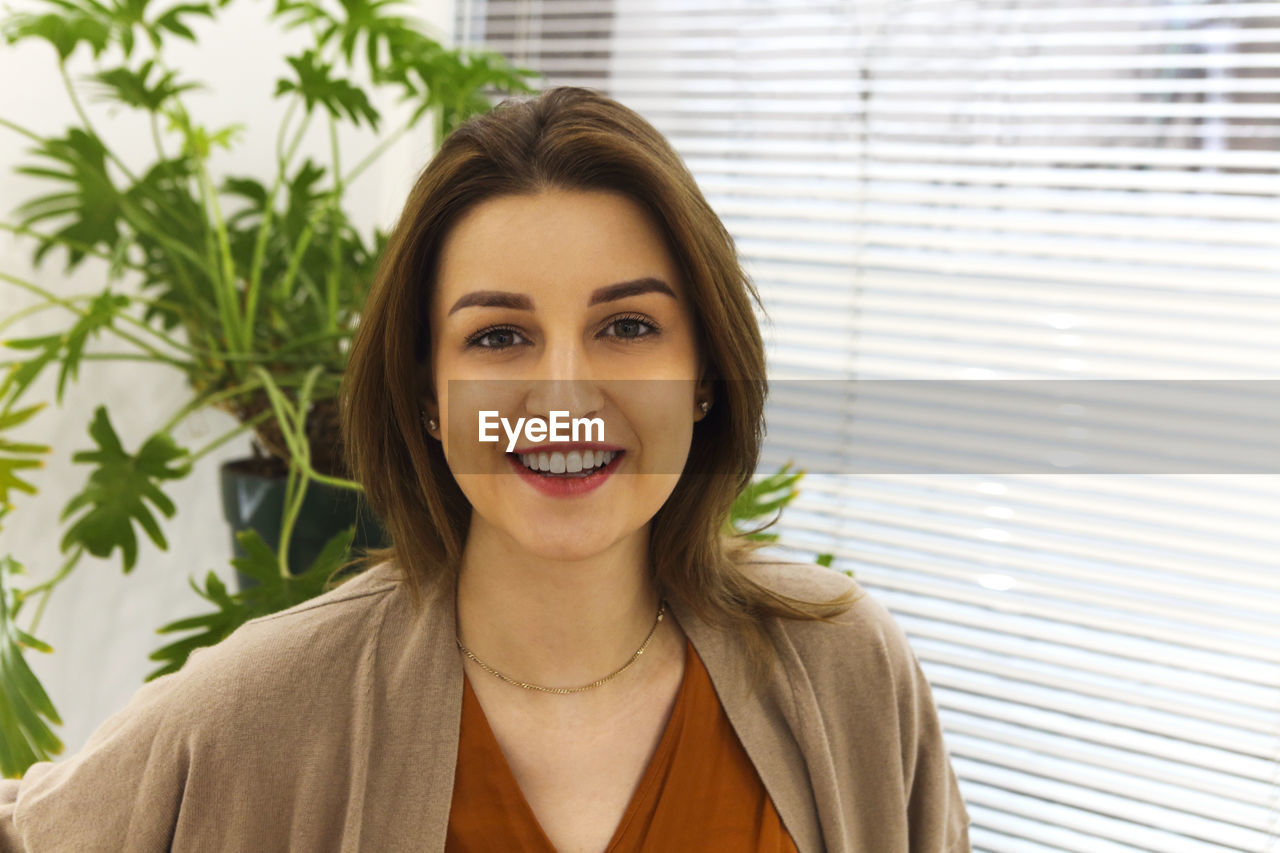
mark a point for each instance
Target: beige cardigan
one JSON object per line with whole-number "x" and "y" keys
{"x": 333, "y": 726}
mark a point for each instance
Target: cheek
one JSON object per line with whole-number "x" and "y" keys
{"x": 660, "y": 413}
{"x": 461, "y": 402}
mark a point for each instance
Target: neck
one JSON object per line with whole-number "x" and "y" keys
{"x": 551, "y": 622}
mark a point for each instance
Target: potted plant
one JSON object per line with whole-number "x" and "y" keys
{"x": 248, "y": 286}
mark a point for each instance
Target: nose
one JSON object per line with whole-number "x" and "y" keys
{"x": 564, "y": 382}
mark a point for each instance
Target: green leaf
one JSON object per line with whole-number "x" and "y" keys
{"x": 23, "y": 373}
{"x": 90, "y": 200}
{"x": 212, "y": 627}
{"x": 64, "y": 31}
{"x": 272, "y": 593}
{"x": 825, "y": 560}
{"x": 450, "y": 79}
{"x": 87, "y": 21}
{"x": 68, "y": 347}
{"x": 135, "y": 89}
{"x": 360, "y": 20}
{"x": 25, "y": 708}
{"x": 246, "y": 188}
{"x": 763, "y": 497}
{"x": 303, "y": 13}
{"x": 316, "y": 85}
{"x": 117, "y": 491}
{"x": 198, "y": 141}
{"x": 101, "y": 312}
{"x": 171, "y": 19}
{"x": 97, "y": 24}
{"x": 14, "y": 457}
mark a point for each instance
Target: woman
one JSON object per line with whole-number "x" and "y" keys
{"x": 563, "y": 650}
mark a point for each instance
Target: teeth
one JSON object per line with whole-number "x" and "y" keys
{"x": 572, "y": 462}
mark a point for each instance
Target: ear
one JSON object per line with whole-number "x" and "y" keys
{"x": 703, "y": 390}
{"x": 426, "y": 397}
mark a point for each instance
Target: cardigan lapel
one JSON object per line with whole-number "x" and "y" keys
{"x": 763, "y": 723}
{"x": 414, "y": 748}
{"x": 418, "y": 705}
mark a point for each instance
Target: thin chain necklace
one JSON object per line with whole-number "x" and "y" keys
{"x": 662, "y": 608}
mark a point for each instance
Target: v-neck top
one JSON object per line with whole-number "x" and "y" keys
{"x": 700, "y": 790}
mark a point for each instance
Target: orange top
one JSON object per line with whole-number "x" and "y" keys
{"x": 699, "y": 792}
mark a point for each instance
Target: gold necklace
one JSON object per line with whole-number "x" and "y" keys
{"x": 662, "y": 607}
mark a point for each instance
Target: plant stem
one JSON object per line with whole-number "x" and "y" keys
{"x": 65, "y": 303}
{"x": 284, "y": 287}
{"x": 209, "y": 248}
{"x": 59, "y": 303}
{"x": 173, "y": 342}
{"x": 155, "y": 137}
{"x": 232, "y": 319}
{"x": 295, "y": 493}
{"x": 303, "y": 457}
{"x": 84, "y": 117}
{"x": 99, "y": 356}
{"x": 377, "y": 152}
{"x": 74, "y": 244}
{"x": 209, "y": 399}
{"x": 284, "y": 123}
{"x": 218, "y": 355}
{"x": 212, "y": 355}
{"x": 331, "y": 278}
{"x": 225, "y": 437}
{"x": 28, "y": 311}
{"x": 334, "y": 481}
{"x": 47, "y": 587}
{"x": 268, "y": 213}
{"x": 160, "y": 152}
{"x": 17, "y": 128}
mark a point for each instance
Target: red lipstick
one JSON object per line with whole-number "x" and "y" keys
{"x": 559, "y": 486}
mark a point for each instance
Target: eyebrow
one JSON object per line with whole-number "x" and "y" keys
{"x": 521, "y": 302}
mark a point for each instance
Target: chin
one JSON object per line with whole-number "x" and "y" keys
{"x": 568, "y": 548}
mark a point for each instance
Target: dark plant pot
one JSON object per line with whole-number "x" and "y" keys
{"x": 253, "y": 499}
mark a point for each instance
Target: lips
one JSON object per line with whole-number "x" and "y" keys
{"x": 565, "y": 484}
{"x": 566, "y": 462}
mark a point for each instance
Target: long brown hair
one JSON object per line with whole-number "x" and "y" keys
{"x": 566, "y": 138}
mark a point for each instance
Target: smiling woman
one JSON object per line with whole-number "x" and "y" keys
{"x": 566, "y": 646}
{"x": 556, "y": 255}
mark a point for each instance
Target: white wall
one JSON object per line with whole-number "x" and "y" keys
{"x": 100, "y": 622}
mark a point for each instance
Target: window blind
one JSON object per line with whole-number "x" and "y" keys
{"x": 970, "y": 193}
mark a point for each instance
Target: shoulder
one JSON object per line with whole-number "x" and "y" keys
{"x": 268, "y": 661}
{"x": 273, "y": 695}
{"x": 875, "y": 707}
{"x": 864, "y": 641}
{"x": 865, "y": 618}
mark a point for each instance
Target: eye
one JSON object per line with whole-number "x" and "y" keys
{"x": 630, "y": 327}
{"x": 494, "y": 338}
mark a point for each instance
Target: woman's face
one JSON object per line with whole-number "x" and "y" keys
{"x": 570, "y": 302}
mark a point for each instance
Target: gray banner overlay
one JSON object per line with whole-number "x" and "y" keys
{"x": 1108, "y": 426}
{"x": 907, "y": 426}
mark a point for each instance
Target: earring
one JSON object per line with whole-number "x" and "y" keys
{"x": 429, "y": 423}
{"x": 704, "y": 406}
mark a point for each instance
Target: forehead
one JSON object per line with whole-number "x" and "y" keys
{"x": 559, "y": 239}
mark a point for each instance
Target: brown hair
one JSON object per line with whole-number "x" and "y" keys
{"x": 566, "y": 138}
